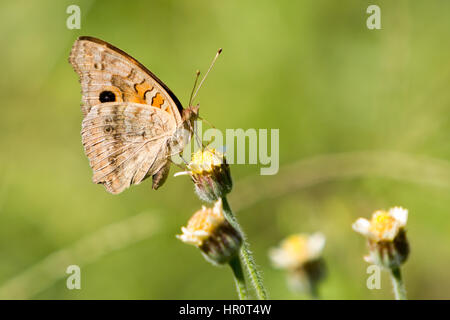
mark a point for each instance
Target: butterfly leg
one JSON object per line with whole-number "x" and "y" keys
{"x": 185, "y": 162}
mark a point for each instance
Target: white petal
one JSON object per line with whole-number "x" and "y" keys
{"x": 368, "y": 259}
{"x": 200, "y": 233}
{"x": 181, "y": 173}
{"x": 218, "y": 207}
{"x": 278, "y": 258}
{"x": 185, "y": 230}
{"x": 362, "y": 226}
{"x": 391, "y": 233}
{"x": 399, "y": 214}
{"x": 282, "y": 259}
{"x": 316, "y": 243}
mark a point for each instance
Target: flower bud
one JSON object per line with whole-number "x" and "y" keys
{"x": 212, "y": 234}
{"x": 211, "y": 175}
{"x": 386, "y": 235}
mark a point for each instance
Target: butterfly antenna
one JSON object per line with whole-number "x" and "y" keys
{"x": 199, "y": 140}
{"x": 197, "y": 137}
{"x": 197, "y": 74}
{"x": 212, "y": 126}
{"x": 206, "y": 74}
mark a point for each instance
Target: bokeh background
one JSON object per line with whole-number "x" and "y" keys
{"x": 364, "y": 125}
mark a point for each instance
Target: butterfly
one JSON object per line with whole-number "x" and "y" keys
{"x": 133, "y": 123}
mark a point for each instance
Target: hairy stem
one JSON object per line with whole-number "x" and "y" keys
{"x": 239, "y": 278}
{"x": 247, "y": 257}
{"x": 397, "y": 282}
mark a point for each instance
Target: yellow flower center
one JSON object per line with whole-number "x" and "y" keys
{"x": 206, "y": 220}
{"x": 296, "y": 247}
{"x": 203, "y": 224}
{"x": 382, "y": 223}
{"x": 205, "y": 161}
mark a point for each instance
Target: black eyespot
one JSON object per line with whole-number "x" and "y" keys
{"x": 108, "y": 129}
{"x": 107, "y": 96}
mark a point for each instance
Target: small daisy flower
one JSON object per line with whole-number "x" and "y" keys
{"x": 210, "y": 173}
{"x": 296, "y": 250}
{"x": 301, "y": 256}
{"x": 212, "y": 234}
{"x": 386, "y": 236}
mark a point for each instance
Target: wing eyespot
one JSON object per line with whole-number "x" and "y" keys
{"x": 107, "y": 96}
{"x": 108, "y": 129}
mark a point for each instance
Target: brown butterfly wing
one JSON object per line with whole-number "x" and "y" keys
{"x": 107, "y": 74}
{"x": 126, "y": 142}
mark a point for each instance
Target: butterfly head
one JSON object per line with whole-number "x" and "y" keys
{"x": 191, "y": 114}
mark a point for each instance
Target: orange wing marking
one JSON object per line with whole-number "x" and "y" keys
{"x": 157, "y": 100}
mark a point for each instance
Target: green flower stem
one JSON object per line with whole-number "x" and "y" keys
{"x": 239, "y": 278}
{"x": 314, "y": 292}
{"x": 397, "y": 282}
{"x": 246, "y": 254}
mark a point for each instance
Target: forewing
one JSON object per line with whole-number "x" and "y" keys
{"x": 126, "y": 143}
{"x": 107, "y": 74}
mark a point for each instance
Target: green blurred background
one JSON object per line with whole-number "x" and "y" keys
{"x": 309, "y": 68}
